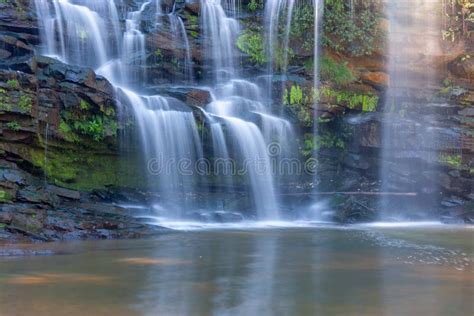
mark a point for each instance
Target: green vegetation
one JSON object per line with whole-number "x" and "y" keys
{"x": 13, "y": 83}
{"x": 334, "y": 72}
{"x": 5, "y": 101}
{"x": 84, "y": 121}
{"x": 325, "y": 140}
{"x": 299, "y": 102}
{"x": 356, "y": 36}
{"x": 83, "y": 170}
{"x": 14, "y": 126}
{"x": 252, "y": 43}
{"x": 364, "y": 102}
{"x": 5, "y": 197}
{"x": 84, "y": 105}
{"x": 25, "y": 104}
{"x": 255, "y": 5}
{"x": 451, "y": 160}
{"x": 459, "y": 20}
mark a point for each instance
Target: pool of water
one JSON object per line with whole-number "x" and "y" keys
{"x": 267, "y": 269}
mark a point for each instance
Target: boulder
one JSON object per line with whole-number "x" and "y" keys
{"x": 463, "y": 66}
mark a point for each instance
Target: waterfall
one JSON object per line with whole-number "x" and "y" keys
{"x": 318, "y": 11}
{"x": 79, "y": 30}
{"x": 220, "y": 33}
{"x": 240, "y": 107}
{"x": 170, "y": 143}
{"x": 181, "y": 42}
{"x": 241, "y": 125}
{"x": 134, "y": 52}
{"x": 409, "y": 148}
{"x": 273, "y": 12}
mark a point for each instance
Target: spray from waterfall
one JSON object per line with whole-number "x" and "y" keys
{"x": 409, "y": 147}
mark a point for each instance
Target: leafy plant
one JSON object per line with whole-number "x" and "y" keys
{"x": 25, "y": 104}
{"x": 255, "y": 5}
{"x": 252, "y": 43}
{"x": 355, "y": 35}
{"x": 14, "y": 126}
{"x": 451, "y": 160}
{"x": 14, "y": 84}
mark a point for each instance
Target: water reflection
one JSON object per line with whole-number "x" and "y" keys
{"x": 326, "y": 271}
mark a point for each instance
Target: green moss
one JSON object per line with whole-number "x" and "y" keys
{"x": 83, "y": 170}
{"x": 334, "y": 72}
{"x": 67, "y": 133}
{"x": 5, "y": 197}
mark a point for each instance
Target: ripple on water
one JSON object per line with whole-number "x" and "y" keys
{"x": 412, "y": 253}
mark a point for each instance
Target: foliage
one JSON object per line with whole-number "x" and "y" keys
{"x": 364, "y": 102}
{"x": 14, "y": 126}
{"x": 302, "y": 26}
{"x": 5, "y": 197}
{"x": 14, "y": 84}
{"x": 255, "y": 5}
{"x": 313, "y": 143}
{"x": 459, "y": 20}
{"x": 84, "y": 105}
{"x": 451, "y": 160}
{"x": 356, "y": 35}
{"x": 87, "y": 121}
{"x": 252, "y": 43}
{"x": 337, "y": 73}
{"x": 25, "y": 104}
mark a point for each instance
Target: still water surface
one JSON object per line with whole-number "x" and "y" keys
{"x": 323, "y": 270}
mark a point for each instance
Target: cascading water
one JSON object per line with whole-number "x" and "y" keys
{"x": 410, "y": 153}
{"x": 220, "y": 33}
{"x": 273, "y": 11}
{"x": 134, "y": 45}
{"x": 240, "y": 107}
{"x": 180, "y": 38}
{"x": 241, "y": 126}
{"x": 74, "y": 33}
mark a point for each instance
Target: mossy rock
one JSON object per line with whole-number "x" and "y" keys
{"x": 80, "y": 170}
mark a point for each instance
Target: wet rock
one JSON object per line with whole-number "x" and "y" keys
{"x": 15, "y": 176}
{"x": 194, "y": 7}
{"x": 452, "y": 202}
{"x": 37, "y": 195}
{"x": 376, "y": 79}
{"x": 65, "y": 193}
{"x": 356, "y": 161}
{"x": 463, "y": 66}
{"x": 197, "y": 97}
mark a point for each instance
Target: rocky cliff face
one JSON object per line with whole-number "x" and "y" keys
{"x": 60, "y": 124}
